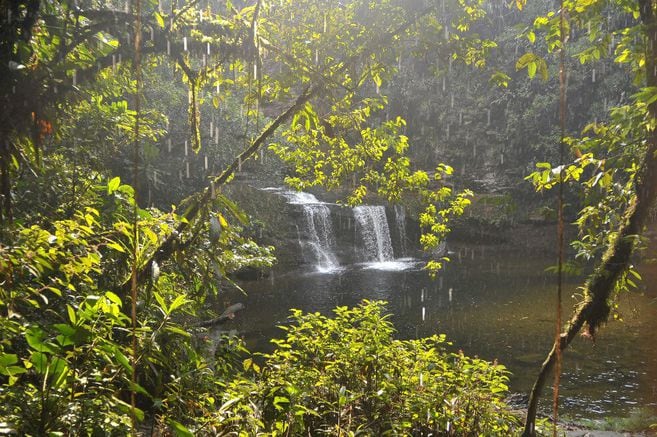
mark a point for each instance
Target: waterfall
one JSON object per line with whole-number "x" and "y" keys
{"x": 373, "y": 228}
{"x": 317, "y": 228}
{"x": 400, "y": 219}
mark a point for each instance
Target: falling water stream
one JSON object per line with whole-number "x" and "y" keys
{"x": 373, "y": 229}
{"x": 400, "y": 222}
{"x": 318, "y": 228}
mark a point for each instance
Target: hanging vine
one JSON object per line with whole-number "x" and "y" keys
{"x": 560, "y": 219}
{"x": 135, "y": 220}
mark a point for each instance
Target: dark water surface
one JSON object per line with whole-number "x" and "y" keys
{"x": 495, "y": 302}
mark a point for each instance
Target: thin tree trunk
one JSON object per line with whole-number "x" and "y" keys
{"x": 5, "y": 184}
{"x": 595, "y": 308}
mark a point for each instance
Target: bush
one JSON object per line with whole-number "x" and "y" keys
{"x": 349, "y": 375}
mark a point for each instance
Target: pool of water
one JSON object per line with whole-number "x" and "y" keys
{"x": 495, "y": 302}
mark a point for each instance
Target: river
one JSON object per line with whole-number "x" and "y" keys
{"x": 492, "y": 301}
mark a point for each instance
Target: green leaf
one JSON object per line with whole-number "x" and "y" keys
{"x": 159, "y": 19}
{"x": 34, "y": 338}
{"x": 71, "y": 314}
{"x": 125, "y": 408}
{"x": 113, "y": 298}
{"x": 635, "y": 274}
{"x": 113, "y": 184}
{"x": 531, "y": 36}
{"x": 13, "y": 370}
{"x": 377, "y": 80}
{"x": 40, "y": 361}
{"x": 8, "y": 360}
{"x": 59, "y": 370}
{"x": 122, "y": 359}
{"x": 179, "y": 429}
{"x": 163, "y": 305}
{"x": 233, "y": 208}
{"x": 178, "y": 302}
{"x": 531, "y": 69}
{"x": 500, "y": 79}
{"x": 116, "y": 246}
{"x": 647, "y": 95}
{"x": 178, "y": 330}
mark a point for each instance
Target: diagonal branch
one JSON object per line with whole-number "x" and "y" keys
{"x": 172, "y": 243}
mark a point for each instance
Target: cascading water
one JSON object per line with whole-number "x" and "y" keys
{"x": 400, "y": 219}
{"x": 373, "y": 228}
{"x": 318, "y": 230}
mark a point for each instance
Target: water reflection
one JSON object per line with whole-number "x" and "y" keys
{"x": 491, "y": 302}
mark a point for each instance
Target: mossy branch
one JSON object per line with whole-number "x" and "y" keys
{"x": 594, "y": 310}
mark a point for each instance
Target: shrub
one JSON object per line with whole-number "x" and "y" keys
{"x": 348, "y": 375}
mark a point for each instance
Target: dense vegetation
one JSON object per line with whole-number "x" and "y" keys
{"x": 112, "y": 112}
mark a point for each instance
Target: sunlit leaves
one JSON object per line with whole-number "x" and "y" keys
{"x": 533, "y": 63}
{"x": 646, "y": 96}
{"x": 325, "y": 368}
{"x": 159, "y": 19}
{"x": 500, "y": 79}
{"x": 324, "y": 153}
{"x": 113, "y": 185}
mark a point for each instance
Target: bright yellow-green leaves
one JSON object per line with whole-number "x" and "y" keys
{"x": 533, "y": 63}
{"x": 325, "y": 368}
{"x": 344, "y": 150}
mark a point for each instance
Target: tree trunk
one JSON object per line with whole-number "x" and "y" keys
{"x": 595, "y": 308}
{"x": 5, "y": 184}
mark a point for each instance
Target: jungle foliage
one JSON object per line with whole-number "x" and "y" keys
{"x": 95, "y": 94}
{"x": 354, "y": 96}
